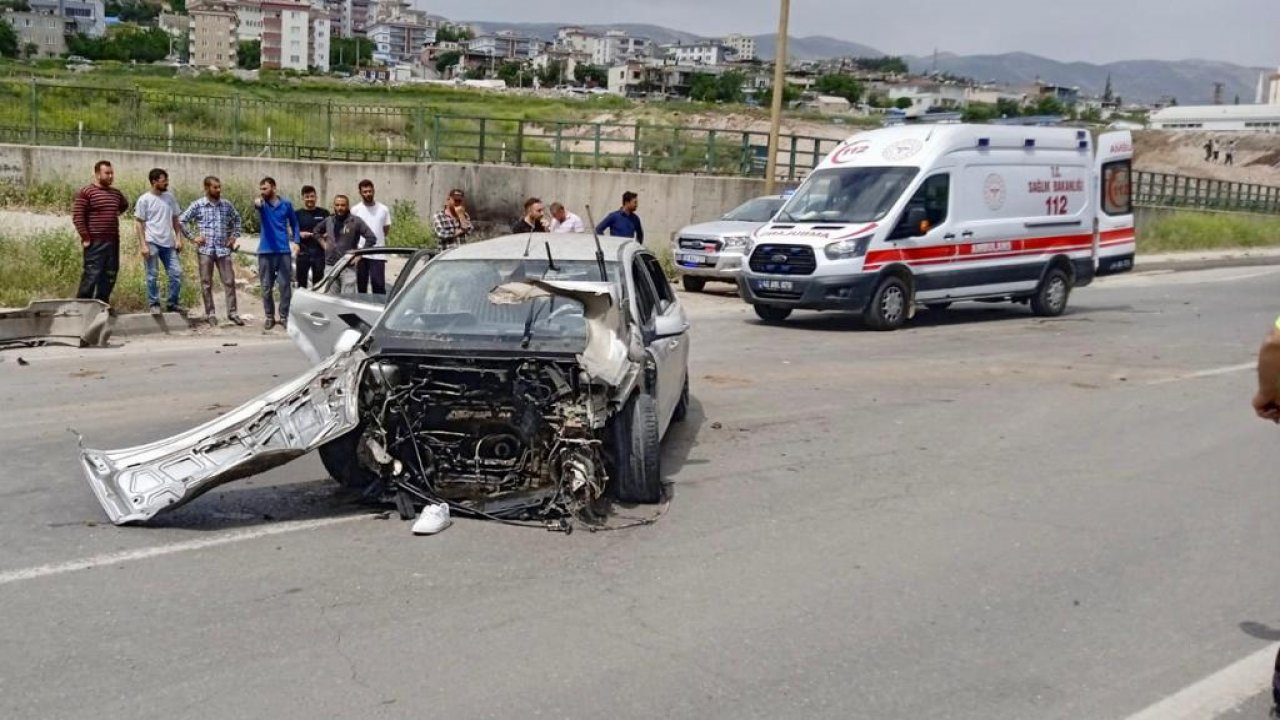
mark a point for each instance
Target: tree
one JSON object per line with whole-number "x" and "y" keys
{"x": 903, "y": 103}
{"x": 249, "y": 54}
{"x": 514, "y": 73}
{"x": 447, "y": 60}
{"x": 886, "y": 65}
{"x": 1050, "y": 105}
{"x": 1008, "y": 108}
{"x": 8, "y": 40}
{"x": 1108, "y": 95}
{"x": 29, "y": 50}
{"x": 980, "y": 113}
{"x": 552, "y": 73}
{"x": 343, "y": 51}
{"x": 840, "y": 86}
{"x": 790, "y": 94}
{"x": 453, "y": 33}
{"x": 591, "y": 75}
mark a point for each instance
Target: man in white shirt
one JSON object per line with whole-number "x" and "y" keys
{"x": 156, "y": 213}
{"x": 371, "y": 272}
{"x": 563, "y": 221}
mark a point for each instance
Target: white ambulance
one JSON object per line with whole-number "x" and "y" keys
{"x": 929, "y": 215}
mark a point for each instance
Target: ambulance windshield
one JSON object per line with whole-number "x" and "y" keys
{"x": 847, "y": 195}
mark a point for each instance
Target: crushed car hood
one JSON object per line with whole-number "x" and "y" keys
{"x": 134, "y": 484}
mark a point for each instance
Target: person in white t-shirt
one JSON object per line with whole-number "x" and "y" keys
{"x": 563, "y": 221}
{"x": 160, "y": 236}
{"x": 371, "y": 273}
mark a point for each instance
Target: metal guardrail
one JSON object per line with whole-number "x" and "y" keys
{"x": 1151, "y": 189}
{"x": 41, "y": 113}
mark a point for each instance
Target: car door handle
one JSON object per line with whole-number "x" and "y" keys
{"x": 966, "y": 234}
{"x": 949, "y": 236}
{"x": 317, "y": 319}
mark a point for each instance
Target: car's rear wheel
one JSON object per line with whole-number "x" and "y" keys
{"x": 637, "y": 471}
{"x": 693, "y": 284}
{"x": 889, "y": 305}
{"x": 772, "y": 313}
{"x": 1051, "y": 297}
{"x": 341, "y": 458}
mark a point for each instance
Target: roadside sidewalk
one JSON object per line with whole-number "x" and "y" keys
{"x": 1208, "y": 259}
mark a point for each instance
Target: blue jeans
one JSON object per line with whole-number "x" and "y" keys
{"x": 276, "y": 270}
{"x": 172, "y": 268}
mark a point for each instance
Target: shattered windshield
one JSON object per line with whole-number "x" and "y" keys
{"x": 449, "y": 305}
{"x": 848, "y": 195}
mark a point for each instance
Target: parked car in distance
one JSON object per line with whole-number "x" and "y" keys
{"x": 715, "y": 250}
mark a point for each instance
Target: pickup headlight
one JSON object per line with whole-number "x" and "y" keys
{"x": 737, "y": 243}
{"x": 847, "y": 249}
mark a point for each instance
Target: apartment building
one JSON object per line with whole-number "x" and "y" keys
{"x": 744, "y": 46}
{"x": 710, "y": 52}
{"x": 320, "y": 39}
{"x": 506, "y": 45}
{"x": 286, "y": 35}
{"x": 249, "y": 21}
{"x": 89, "y": 16}
{"x": 616, "y": 46}
{"x": 213, "y": 33}
{"x": 399, "y": 41}
{"x": 48, "y": 33}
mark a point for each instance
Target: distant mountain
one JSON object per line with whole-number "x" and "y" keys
{"x": 816, "y": 47}
{"x": 547, "y": 31}
{"x": 1190, "y": 81}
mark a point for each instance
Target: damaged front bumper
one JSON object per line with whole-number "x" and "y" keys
{"x": 85, "y": 323}
{"x": 134, "y": 484}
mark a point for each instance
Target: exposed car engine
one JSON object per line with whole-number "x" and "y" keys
{"x": 513, "y": 439}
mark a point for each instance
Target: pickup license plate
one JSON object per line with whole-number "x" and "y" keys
{"x": 774, "y": 285}
{"x": 692, "y": 260}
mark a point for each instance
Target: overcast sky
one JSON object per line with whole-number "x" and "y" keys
{"x": 1240, "y": 31}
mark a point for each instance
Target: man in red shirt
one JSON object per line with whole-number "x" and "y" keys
{"x": 96, "y": 215}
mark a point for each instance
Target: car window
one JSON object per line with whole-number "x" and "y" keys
{"x": 934, "y": 196}
{"x": 646, "y": 299}
{"x": 1116, "y": 195}
{"x": 665, "y": 294}
{"x": 393, "y": 265}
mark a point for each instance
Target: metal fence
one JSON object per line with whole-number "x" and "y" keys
{"x": 1180, "y": 191}
{"x": 308, "y": 128}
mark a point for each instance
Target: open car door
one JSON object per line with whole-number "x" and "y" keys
{"x": 1116, "y": 239}
{"x": 315, "y": 316}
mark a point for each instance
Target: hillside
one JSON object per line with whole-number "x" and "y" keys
{"x": 816, "y": 47}
{"x": 547, "y": 31}
{"x": 1190, "y": 81}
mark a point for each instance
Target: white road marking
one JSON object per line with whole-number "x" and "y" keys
{"x": 1212, "y": 372}
{"x": 1218, "y": 693}
{"x": 40, "y": 571}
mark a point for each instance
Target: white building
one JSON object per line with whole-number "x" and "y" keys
{"x": 506, "y": 45}
{"x": 89, "y": 16}
{"x": 711, "y": 52}
{"x": 1269, "y": 88}
{"x": 249, "y": 22}
{"x": 743, "y": 45}
{"x": 320, "y": 39}
{"x": 400, "y": 41}
{"x": 1218, "y": 118}
{"x": 616, "y": 46}
{"x": 925, "y": 97}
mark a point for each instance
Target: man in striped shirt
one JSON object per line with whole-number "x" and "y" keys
{"x": 218, "y": 228}
{"x": 96, "y": 215}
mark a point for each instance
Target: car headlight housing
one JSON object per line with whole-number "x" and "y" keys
{"x": 847, "y": 249}
{"x": 737, "y": 243}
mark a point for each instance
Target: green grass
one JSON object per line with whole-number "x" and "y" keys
{"x": 1189, "y": 231}
{"x": 407, "y": 229}
{"x": 57, "y": 197}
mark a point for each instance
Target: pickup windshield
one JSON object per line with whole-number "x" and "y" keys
{"x": 848, "y": 195}
{"x": 759, "y": 210}
{"x": 448, "y": 306}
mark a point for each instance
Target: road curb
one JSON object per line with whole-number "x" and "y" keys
{"x": 143, "y": 324}
{"x": 1188, "y": 264}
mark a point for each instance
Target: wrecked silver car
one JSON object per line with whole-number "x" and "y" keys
{"x": 521, "y": 378}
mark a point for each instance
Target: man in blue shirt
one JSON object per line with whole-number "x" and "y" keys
{"x": 276, "y": 248}
{"x": 217, "y": 235}
{"x": 624, "y": 222}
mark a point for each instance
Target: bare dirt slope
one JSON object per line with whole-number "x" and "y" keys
{"x": 1257, "y": 155}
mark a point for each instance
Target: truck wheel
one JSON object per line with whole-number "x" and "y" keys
{"x": 637, "y": 472}
{"x": 1051, "y": 297}
{"x": 693, "y": 284}
{"x": 341, "y": 460}
{"x": 772, "y": 313}
{"x": 889, "y": 304}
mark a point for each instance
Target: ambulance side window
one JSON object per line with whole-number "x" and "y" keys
{"x": 1117, "y": 198}
{"x": 934, "y": 197}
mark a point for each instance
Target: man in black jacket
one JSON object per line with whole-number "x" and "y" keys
{"x": 533, "y": 220}
{"x": 339, "y": 234}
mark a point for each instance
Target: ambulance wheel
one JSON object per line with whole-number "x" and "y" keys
{"x": 693, "y": 284}
{"x": 889, "y": 305}
{"x": 938, "y": 306}
{"x": 772, "y": 313}
{"x": 1051, "y": 297}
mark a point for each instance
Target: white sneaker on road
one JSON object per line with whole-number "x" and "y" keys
{"x": 433, "y": 519}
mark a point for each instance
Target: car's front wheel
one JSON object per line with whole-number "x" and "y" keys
{"x": 772, "y": 313}
{"x": 693, "y": 284}
{"x": 341, "y": 458}
{"x": 637, "y": 471}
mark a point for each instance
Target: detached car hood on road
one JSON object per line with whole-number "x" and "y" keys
{"x": 134, "y": 484}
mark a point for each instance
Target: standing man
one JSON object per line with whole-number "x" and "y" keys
{"x": 371, "y": 273}
{"x": 277, "y": 245}
{"x": 218, "y": 228}
{"x": 624, "y": 222}
{"x": 533, "y": 220}
{"x": 310, "y": 252}
{"x": 339, "y": 234}
{"x": 1231, "y": 153}
{"x": 96, "y": 216}
{"x": 452, "y": 224}
{"x": 156, "y": 216}
{"x": 563, "y": 221}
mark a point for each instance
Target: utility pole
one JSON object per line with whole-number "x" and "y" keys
{"x": 779, "y": 87}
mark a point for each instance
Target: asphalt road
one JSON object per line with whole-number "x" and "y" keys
{"x": 984, "y": 516}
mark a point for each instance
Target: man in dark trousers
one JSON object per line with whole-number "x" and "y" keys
{"x": 624, "y": 222}
{"x": 532, "y": 221}
{"x": 96, "y": 215}
{"x": 277, "y": 244}
{"x": 310, "y": 253}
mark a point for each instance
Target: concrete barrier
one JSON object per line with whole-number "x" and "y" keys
{"x": 667, "y": 202}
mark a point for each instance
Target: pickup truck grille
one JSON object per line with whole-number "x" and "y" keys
{"x": 700, "y": 245}
{"x": 783, "y": 260}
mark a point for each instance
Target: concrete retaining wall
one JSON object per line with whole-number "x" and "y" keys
{"x": 667, "y": 202}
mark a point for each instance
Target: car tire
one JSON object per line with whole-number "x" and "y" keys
{"x": 1051, "y": 297}
{"x": 772, "y": 313}
{"x": 890, "y": 305}
{"x": 693, "y": 284}
{"x": 682, "y": 407}
{"x": 937, "y": 307}
{"x": 341, "y": 459}
{"x": 637, "y": 471}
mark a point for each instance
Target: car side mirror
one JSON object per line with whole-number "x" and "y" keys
{"x": 914, "y": 224}
{"x": 669, "y": 326}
